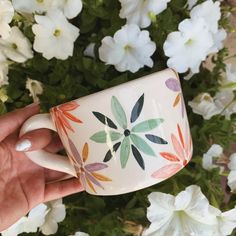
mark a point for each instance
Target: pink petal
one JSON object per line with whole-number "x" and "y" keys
{"x": 166, "y": 171}
{"x": 178, "y": 147}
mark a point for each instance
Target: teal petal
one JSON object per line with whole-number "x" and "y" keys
{"x": 142, "y": 145}
{"x": 104, "y": 137}
{"x": 124, "y": 151}
{"x": 118, "y": 112}
{"x": 147, "y": 125}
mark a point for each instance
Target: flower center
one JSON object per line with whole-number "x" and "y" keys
{"x": 40, "y": 1}
{"x": 127, "y": 48}
{"x": 57, "y": 33}
{"x": 126, "y": 132}
{"x": 189, "y": 42}
{"x": 14, "y": 46}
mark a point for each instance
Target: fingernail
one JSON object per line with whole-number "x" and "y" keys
{"x": 33, "y": 104}
{"x": 23, "y": 145}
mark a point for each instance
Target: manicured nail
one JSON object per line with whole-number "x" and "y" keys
{"x": 23, "y": 145}
{"x": 33, "y": 104}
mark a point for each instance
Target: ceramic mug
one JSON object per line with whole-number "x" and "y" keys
{"x": 121, "y": 139}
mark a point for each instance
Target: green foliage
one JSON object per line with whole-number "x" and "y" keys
{"x": 80, "y": 75}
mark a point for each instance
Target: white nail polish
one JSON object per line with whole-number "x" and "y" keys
{"x": 24, "y": 145}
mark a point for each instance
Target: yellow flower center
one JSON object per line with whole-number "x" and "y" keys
{"x": 57, "y": 33}
{"x": 189, "y": 42}
{"x": 40, "y": 1}
{"x": 128, "y": 48}
{"x": 14, "y": 46}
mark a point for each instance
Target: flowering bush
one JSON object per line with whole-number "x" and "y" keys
{"x": 58, "y": 50}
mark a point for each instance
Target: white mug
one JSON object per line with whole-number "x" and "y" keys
{"x": 121, "y": 139}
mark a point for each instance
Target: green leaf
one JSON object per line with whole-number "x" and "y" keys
{"x": 142, "y": 145}
{"x": 124, "y": 151}
{"x": 147, "y": 125}
{"x": 118, "y": 112}
{"x": 103, "y": 136}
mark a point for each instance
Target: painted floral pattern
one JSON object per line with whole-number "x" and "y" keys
{"x": 180, "y": 158}
{"x": 129, "y": 140}
{"x": 174, "y": 85}
{"x": 61, "y": 116}
{"x": 88, "y": 173}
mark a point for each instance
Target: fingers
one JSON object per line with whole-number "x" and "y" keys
{"x": 10, "y": 122}
{"x": 55, "y": 145}
{"x": 61, "y": 189}
{"x": 52, "y": 176}
{"x": 34, "y": 140}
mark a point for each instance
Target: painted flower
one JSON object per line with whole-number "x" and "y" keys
{"x": 204, "y": 105}
{"x": 130, "y": 49}
{"x": 211, "y": 156}
{"x": 87, "y": 172}
{"x": 70, "y": 8}
{"x": 62, "y": 114}
{"x": 174, "y": 85}
{"x": 232, "y": 173}
{"x": 54, "y": 35}
{"x": 139, "y": 12}
{"x": 183, "y": 152}
{"x": 6, "y": 15}
{"x": 189, "y": 46}
{"x": 32, "y": 6}
{"x": 35, "y": 88}
{"x": 16, "y": 47}
{"x": 188, "y": 213}
{"x": 129, "y": 138}
{"x": 210, "y": 12}
{"x": 56, "y": 212}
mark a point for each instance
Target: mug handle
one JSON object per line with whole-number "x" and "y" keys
{"x": 41, "y": 157}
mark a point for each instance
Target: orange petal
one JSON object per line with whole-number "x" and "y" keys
{"x": 69, "y": 106}
{"x": 66, "y": 123}
{"x": 72, "y": 117}
{"x": 169, "y": 156}
{"x": 180, "y": 135}
{"x": 101, "y": 177}
{"x": 177, "y": 99}
{"x": 90, "y": 184}
{"x": 85, "y": 152}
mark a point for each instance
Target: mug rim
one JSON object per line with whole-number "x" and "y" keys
{"x": 119, "y": 86}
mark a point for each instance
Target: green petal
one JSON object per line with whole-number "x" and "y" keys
{"x": 103, "y": 137}
{"x": 118, "y": 112}
{"x": 147, "y": 125}
{"x": 124, "y": 151}
{"x": 142, "y": 145}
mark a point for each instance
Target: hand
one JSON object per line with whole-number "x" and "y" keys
{"x": 23, "y": 184}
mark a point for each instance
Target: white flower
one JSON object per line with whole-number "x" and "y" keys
{"x": 208, "y": 158}
{"x": 35, "y": 87}
{"x": 80, "y": 234}
{"x": 54, "y": 35}
{"x": 226, "y": 222}
{"x": 89, "y": 50}
{"x": 129, "y": 49}
{"x": 32, "y": 6}
{"x": 204, "y": 105}
{"x": 230, "y": 77}
{"x": 218, "y": 39}
{"x": 188, "y": 213}
{"x": 189, "y": 46}
{"x": 70, "y": 8}
{"x": 139, "y": 12}
{"x": 224, "y": 100}
{"x": 210, "y": 12}
{"x": 232, "y": 173}
{"x": 16, "y": 228}
{"x": 36, "y": 218}
{"x": 6, "y": 15}
{"x": 56, "y": 213}
{"x": 191, "y": 3}
{"x": 16, "y": 47}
